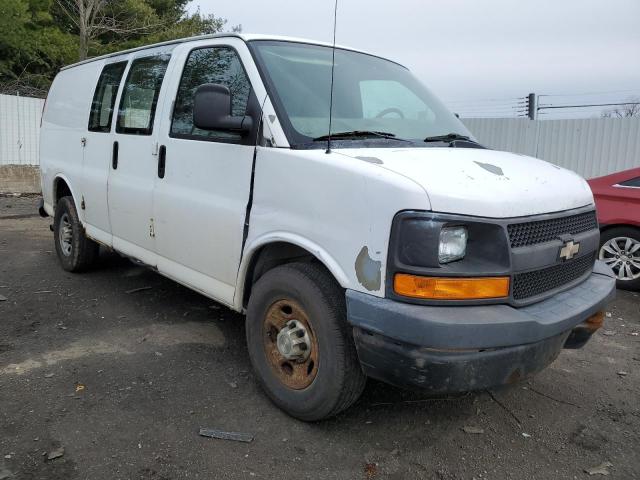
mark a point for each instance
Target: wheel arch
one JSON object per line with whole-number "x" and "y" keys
{"x": 62, "y": 187}
{"x": 611, "y": 226}
{"x": 275, "y": 250}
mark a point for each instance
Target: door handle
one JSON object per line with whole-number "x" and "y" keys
{"x": 114, "y": 156}
{"x": 162, "y": 160}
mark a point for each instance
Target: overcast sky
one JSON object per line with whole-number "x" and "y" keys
{"x": 472, "y": 49}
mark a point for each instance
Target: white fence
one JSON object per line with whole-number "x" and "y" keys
{"x": 591, "y": 147}
{"x": 19, "y": 130}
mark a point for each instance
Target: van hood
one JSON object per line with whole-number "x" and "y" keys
{"x": 486, "y": 183}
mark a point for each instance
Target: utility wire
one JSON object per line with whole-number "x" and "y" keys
{"x": 484, "y": 100}
{"x": 589, "y": 93}
{"x": 546, "y": 107}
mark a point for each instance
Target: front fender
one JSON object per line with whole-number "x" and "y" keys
{"x": 252, "y": 247}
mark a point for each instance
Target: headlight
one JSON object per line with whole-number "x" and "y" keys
{"x": 453, "y": 244}
{"x": 438, "y": 244}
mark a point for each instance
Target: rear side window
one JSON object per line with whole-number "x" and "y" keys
{"x": 140, "y": 95}
{"x": 633, "y": 182}
{"x": 104, "y": 98}
{"x": 219, "y": 65}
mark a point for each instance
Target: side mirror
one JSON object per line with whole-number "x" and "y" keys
{"x": 212, "y": 110}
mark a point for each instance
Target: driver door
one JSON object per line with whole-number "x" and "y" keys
{"x": 202, "y": 188}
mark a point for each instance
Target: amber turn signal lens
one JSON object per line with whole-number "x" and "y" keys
{"x": 450, "y": 288}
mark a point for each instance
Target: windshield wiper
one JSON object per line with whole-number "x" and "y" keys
{"x": 358, "y": 134}
{"x": 448, "y": 138}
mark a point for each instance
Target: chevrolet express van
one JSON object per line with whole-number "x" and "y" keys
{"x": 396, "y": 247}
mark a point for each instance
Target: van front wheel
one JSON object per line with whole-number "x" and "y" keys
{"x": 300, "y": 344}
{"x": 75, "y": 251}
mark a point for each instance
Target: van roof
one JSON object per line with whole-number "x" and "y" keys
{"x": 247, "y": 37}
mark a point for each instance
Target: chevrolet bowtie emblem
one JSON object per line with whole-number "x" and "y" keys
{"x": 569, "y": 250}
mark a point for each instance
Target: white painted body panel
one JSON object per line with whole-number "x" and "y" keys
{"x": 331, "y": 205}
{"x": 485, "y": 183}
{"x": 131, "y": 185}
{"x": 200, "y": 204}
{"x": 339, "y": 207}
{"x": 96, "y": 165}
{"x": 64, "y": 124}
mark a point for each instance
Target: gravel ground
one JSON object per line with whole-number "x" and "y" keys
{"x": 122, "y": 381}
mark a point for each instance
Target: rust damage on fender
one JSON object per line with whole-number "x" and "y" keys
{"x": 368, "y": 270}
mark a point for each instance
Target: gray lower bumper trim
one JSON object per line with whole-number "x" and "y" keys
{"x": 487, "y": 326}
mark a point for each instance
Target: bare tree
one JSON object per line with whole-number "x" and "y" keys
{"x": 93, "y": 18}
{"x": 26, "y": 84}
{"x": 631, "y": 109}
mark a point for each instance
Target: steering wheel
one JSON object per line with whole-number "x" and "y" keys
{"x": 387, "y": 111}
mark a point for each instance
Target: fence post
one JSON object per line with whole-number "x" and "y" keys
{"x": 532, "y": 107}
{"x": 18, "y": 122}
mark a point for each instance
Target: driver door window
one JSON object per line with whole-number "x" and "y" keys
{"x": 219, "y": 65}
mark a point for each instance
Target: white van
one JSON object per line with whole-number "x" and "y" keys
{"x": 398, "y": 249}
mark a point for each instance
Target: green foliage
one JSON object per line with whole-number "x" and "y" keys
{"x": 38, "y": 37}
{"x": 32, "y": 47}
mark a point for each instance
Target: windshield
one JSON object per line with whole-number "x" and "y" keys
{"x": 370, "y": 95}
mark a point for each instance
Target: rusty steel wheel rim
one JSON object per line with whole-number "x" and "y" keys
{"x": 290, "y": 344}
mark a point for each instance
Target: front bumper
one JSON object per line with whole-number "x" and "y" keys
{"x": 461, "y": 348}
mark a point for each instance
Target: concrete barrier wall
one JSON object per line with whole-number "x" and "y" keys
{"x": 19, "y": 179}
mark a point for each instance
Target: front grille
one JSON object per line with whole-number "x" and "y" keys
{"x": 531, "y": 233}
{"x": 537, "y": 282}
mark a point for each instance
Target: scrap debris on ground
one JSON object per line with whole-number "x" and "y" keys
{"x": 221, "y": 435}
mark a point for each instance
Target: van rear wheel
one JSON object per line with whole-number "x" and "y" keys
{"x": 75, "y": 251}
{"x": 300, "y": 344}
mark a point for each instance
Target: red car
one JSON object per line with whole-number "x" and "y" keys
{"x": 618, "y": 204}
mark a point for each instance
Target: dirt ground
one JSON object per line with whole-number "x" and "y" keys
{"x": 123, "y": 380}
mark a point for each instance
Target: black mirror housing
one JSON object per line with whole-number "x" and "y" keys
{"x": 212, "y": 110}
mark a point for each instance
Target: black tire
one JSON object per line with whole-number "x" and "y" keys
{"x": 78, "y": 253}
{"x": 623, "y": 233}
{"x": 339, "y": 380}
